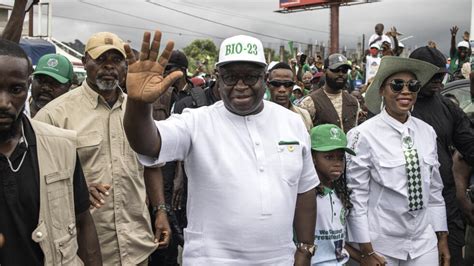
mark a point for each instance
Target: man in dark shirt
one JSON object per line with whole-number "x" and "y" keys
{"x": 453, "y": 128}
{"x": 20, "y": 177}
{"x": 198, "y": 98}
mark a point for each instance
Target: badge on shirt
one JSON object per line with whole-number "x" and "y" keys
{"x": 290, "y": 145}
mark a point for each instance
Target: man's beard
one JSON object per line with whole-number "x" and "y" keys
{"x": 106, "y": 85}
{"x": 11, "y": 132}
{"x": 334, "y": 85}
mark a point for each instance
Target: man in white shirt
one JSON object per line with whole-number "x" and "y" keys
{"x": 378, "y": 37}
{"x": 248, "y": 161}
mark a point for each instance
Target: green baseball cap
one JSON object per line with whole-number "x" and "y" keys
{"x": 56, "y": 66}
{"x": 329, "y": 137}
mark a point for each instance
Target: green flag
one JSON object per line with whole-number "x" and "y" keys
{"x": 290, "y": 44}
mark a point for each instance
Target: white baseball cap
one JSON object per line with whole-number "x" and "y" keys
{"x": 241, "y": 48}
{"x": 463, "y": 44}
{"x": 375, "y": 45}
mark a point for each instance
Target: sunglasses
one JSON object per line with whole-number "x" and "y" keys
{"x": 231, "y": 79}
{"x": 284, "y": 83}
{"x": 396, "y": 85}
{"x": 344, "y": 70}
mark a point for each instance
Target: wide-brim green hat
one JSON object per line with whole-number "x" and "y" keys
{"x": 329, "y": 137}
{"x": 390, "y": 65}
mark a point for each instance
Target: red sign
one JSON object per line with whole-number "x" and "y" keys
{"x": 300, "y": 3}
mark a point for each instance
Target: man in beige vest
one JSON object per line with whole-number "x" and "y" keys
{"x": 333, "y": 104}
{"x": 115, "y": 177}
{"x": 44, "y": 206}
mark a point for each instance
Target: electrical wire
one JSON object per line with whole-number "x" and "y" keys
{"x": 222, "y": 24}
{"x": 126, "y": 26}
{"x": 150, "y": 20}
{"x": 228, "y": 12}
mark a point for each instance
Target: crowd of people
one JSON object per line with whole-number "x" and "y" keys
{"x": 307, "y": 162}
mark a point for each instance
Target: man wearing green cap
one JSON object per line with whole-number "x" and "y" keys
{"x": 51, "y": 79}
{"x": 248, "y": 161}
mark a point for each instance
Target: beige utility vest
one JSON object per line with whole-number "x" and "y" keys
{"x": 56, "y": 231}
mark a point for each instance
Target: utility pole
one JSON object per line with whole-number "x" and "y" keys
{"x": 334, "y": 29}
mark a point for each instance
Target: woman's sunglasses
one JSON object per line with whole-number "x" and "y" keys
{"x": 397, "y": 85}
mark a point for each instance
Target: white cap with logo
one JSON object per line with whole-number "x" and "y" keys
{"x": 241, "y": 48}
{"x": 463, "y": 44}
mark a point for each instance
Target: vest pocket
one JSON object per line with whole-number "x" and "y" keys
{"x": 67, "y": 247}
{"x": 59, "y": 187}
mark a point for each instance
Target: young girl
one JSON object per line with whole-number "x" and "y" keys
{"x": 328, "y": 143}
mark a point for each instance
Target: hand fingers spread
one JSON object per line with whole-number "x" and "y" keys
{"x": 165, "y": 55}
{"x": 145, "y": 51}
{"x": 130, "y": 55}
{"x": 155, "y": 46}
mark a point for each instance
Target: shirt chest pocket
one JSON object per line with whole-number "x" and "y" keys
{"x": 428, "y": 166}
{"x": 392, "y": 173}
{"x": 59, "y": 187}
{"x": 88, "y": 148}
{"x": 291, "y": 162}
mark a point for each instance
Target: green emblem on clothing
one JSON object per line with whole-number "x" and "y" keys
{"x": 342, "y": 216}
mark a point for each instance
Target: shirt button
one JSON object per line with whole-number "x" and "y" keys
{"x": 248, "y": 118}
{"x": 261, "y": 169}
{"x": 257, "y": 143}
{"x": 39, "y": 235}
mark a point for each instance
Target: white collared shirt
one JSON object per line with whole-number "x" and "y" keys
{"x": 244, "y": 175}
{"x": 378, "y": 179}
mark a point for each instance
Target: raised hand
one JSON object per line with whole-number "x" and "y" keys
{"x": 145, "y": 81}
{"x": 454, "y": 30}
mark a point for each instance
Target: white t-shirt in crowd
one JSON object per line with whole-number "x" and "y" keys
{"x": 384, "y": 38}
{"x": 244, "y": 174}
{"x": 330, "y": 231}
{"x": 371, "y": 67}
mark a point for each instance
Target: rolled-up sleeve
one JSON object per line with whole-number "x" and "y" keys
{"x": 436, "y": 206}
{"x": 176, "y": 137}
{"x": 358, "y": 179}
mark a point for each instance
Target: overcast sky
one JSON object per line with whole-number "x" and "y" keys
{"x": 423, "y": 19}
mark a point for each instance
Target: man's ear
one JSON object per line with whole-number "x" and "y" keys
{"x": 84, "y": 60}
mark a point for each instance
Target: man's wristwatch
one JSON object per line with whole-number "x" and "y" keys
{"x": 161, "y": 207}
{"x": 308, "y": 249}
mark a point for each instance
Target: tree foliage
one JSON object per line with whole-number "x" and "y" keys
{"x": 201, "y": 53}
